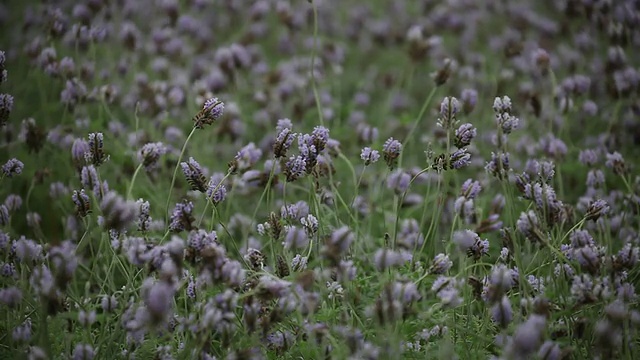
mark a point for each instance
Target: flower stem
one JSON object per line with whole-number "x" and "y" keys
{"x": 175, "y": 172}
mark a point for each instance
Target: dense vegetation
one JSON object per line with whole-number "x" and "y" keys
{"x": 249, "y": 179}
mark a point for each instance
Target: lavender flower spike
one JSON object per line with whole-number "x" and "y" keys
{"x": 212, "y": 110}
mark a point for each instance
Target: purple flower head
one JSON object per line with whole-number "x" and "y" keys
{"x": 194, "y": 174}
{"x": 369, "y": 156}
{"x": 597, "y": 209}
{"x": 550, "y": 351}
{"x": 199, "y": 239}
{"x": 502, "y": 313}
{"x": 158, "y": 298}
{"x": 182, "y": 217}
{"x": 13, "y": 202}
{"x": 295, "y": 211}
{"x": 4, "y": 215}
{"x": 6, "y": 105}
{"x": 440, "y": 264}
{"x": 22, "y": 332}
{"x": 398, "y": 181}
{"x": 447, "y": 289}
{"x": 109, "y": 303}
{"x": 528, "y": 337}
{"x": 144, "y": 219}
{"x": 10, "y": 296}
{"x": 464, "y": 134}
{"x": 499, "y": 165}
{"x": 391, "y": 151}
{"x": 470, "y": 189}
{"x": 212, "y": 110}
{"x": 580, "y": 238}
{"x": 595, "y": 178}
{"x": 588, "y": 258}
{"x": 320, "y": 137}
{"x": 83, "y": 352}
{"x": 469, "y": 99}
{"x": 150, "y": 154}
{"x": 459, "y": 159}
{"x": 616, "y": 162}
{"x": 588, "y": 157}
{"x": 283, "y": 124}
{"x": 366, "y": 133}
{"x": 96, "y": 155}
{"x": 216, "y": 190}
{"x": 465, "y": 240}
{"x": 89, "y": 179}
{"x": 118, "y": 213}
{"x": 387, "y": 258}
{"x": 295, "y": 238}
{"x": 338, "y": 243}
{"x": 247, "y": 157}
{"x": 12, "y": 167}
{"x": 3, "y": 71}
{"x": 628, "y": 256}
{"x": 81, "y": 201}
{"x": 295, "y": 168}
{"x": 78, "y": 150}
{"x": 449, "y": 108}
{"x": 283, "y": 142}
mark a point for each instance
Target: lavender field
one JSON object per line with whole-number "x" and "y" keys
{"x": 321, "y": 179}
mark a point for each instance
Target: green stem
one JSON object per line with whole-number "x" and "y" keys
{"x": 175, "y": 172}
{"x": 133, "y": 180}
{"x": 424, "y": 108}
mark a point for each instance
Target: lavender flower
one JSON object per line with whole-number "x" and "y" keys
{"x": 182, "y": 217}
{"x": 283, "y": 142}
{"x": 386, "y": 258}
{"x": 83, "y": 352}
{"x": 212, "y": 110}
{"x": 6, "y": 105}
{"x": 597, "y": 209}
{"x": 216, "y": 190}
{"x": 527, "y": 338}
{"x": 79, "y": 148}
{"x": 3, "y": 71}
{"x": 144, "y": 219}
{"x": 469, "y": 99}
{"x": 499, "y": 165}
{"x": 588, "y": 157}
{"x": 295, "y": 168}
{"x": 295, "y": 238}
{"x": 89, "y": 179}
{"x": 96, "y": 155}
{"x": 469, "y": 243}
{"x": 194, "y": 174}
{"x": 81, "y": 201}
{"x": 398, "y": 181}
{"x": 391, "y": 151}
{"x": 616, "y": 162}
{"x": 10, "y": 296}
{"x": 4, "y": 215}
{"x": 338, "y": 243}
{"x": 440, "y": 264}
{"x": 502, "y": 313}
{"x": 463, "y": 135}
{"x": 118, "y": 213}
{"x": 459, "y": 159}
{"x": 247, "y": 157}
{"x": 449, "y": 108}
{"x": 12, "y": 167}
{"x": 109, "y": 303}
{"x": 369, "y": 156}
{"x": 150, "y": 154}
{"x": 13, "y": 202}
